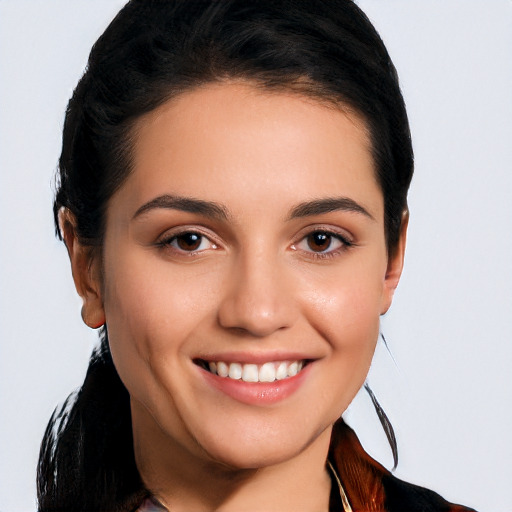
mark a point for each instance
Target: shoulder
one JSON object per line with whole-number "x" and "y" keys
{"x": 371, "y": 487}
{"x": 405, "y": 497}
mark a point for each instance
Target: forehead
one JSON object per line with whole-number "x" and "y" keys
{"x": 272, "y": 146}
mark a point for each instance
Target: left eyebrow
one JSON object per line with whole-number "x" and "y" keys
{"x": 327, "y": 205}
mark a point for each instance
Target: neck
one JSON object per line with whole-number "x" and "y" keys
{"x": 184, "y": 481}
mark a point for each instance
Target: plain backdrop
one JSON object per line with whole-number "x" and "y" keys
{"x": 447, "y": 384}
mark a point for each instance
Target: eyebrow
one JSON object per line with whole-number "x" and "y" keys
{"x": 327, "y": 205}
{"x": 219, "y": 212}
{"x": 185, "y": 204}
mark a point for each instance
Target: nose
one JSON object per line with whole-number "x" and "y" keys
{"x": 259, "y": 299}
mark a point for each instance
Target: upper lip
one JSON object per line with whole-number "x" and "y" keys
{"x": 255, "y": 357}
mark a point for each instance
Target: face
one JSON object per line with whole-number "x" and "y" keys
{"x": 245, "y": 271}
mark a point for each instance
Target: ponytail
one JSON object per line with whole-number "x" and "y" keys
{"x": 86, "y": 461}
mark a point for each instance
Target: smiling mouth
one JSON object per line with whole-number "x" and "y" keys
{"x": 267, "y": 372}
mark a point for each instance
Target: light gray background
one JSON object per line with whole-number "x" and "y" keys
{"x": 448, "y": 390}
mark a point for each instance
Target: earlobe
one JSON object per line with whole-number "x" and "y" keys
{"x": 395, "y": 265}
{"x": 86, "y": 270}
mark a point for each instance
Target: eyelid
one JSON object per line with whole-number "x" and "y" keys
{"x": 164, "y": 240}
{"x": 328, "y": 229}
{"x": 343, "y": 236}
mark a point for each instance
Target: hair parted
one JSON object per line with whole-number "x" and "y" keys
{"x": 153, "y": 51}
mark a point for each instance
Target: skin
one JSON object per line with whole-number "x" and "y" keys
{"x": 256, "y": 284}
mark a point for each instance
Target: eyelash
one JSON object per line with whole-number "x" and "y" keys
{"x": 345, "y": 242}
{"x": 167, "y": 242}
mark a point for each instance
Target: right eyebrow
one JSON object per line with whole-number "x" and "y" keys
{"x": 184, "y": 204}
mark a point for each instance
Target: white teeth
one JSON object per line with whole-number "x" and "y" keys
{"x": 222, "y": 369}
{"x": 292, "y": 369}
{"x": 250, "y": 373}
{"x": 267, "y": 372}
{"x": 282, "y": 371}
{"x": 235, "y": 371}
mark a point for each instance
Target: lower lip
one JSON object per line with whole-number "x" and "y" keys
{"x": 257, "y": 393}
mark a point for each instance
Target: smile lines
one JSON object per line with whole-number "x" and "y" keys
{"x": 267, "y": 372}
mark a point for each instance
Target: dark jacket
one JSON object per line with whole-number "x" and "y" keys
{"x": 370, "y": 487}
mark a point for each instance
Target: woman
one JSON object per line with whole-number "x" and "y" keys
{"x": 232, "y": 196}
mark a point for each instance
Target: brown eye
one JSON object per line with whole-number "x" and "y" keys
{"x": 319, "y": 241}
{"x": 188, "y": 241}
{"x": 322, "y": 244}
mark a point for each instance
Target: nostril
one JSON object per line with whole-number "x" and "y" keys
{"x": 253, "y": 323}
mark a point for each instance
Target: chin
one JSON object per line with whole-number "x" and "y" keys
{"x": 263, "y": 445}
{"x": 254, "y": 455}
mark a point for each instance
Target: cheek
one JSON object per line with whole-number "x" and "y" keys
{"x": 345, "y": 308}
{"x": 151, "y": 311}
{"x": 153, "y": 301}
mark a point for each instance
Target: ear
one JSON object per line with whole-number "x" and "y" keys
{"x": 86, "y": 269}
{"x": 395, "y": 266}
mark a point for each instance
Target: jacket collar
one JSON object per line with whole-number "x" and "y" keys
{"x": 359, "y": 474}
